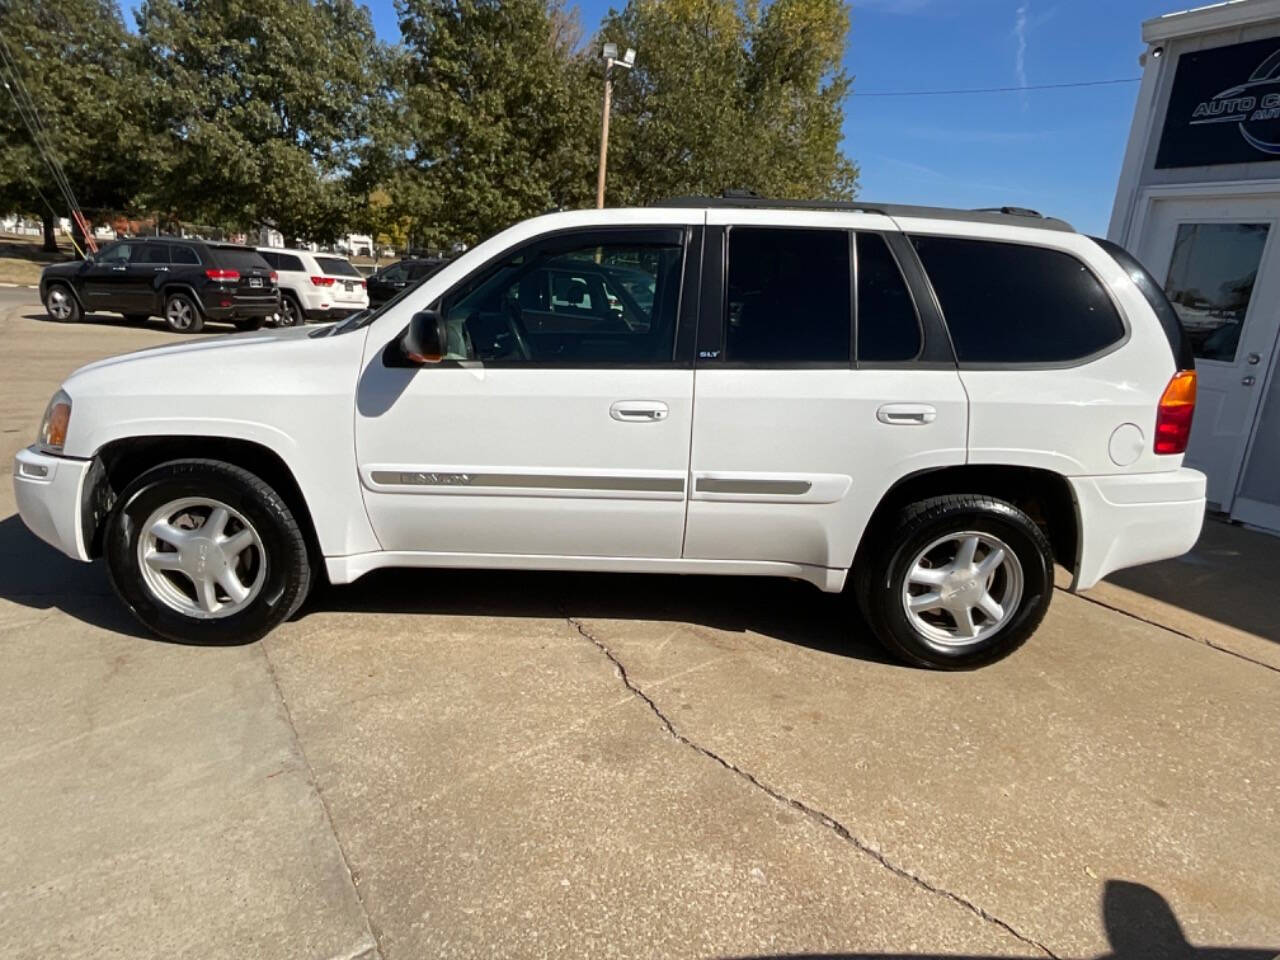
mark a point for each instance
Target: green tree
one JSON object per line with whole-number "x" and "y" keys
{"x": 728, "y": 95}
{"x": 79, "y": 65}
{"x": 501, "y": 115}
{"x": 264, "y": 106}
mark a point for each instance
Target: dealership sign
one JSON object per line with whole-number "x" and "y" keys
{"x": 1225, "y": 107}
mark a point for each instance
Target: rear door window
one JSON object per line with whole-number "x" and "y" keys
{"x": 272, "y": 258}
{"x": 184, "y": 254}
{"x": 287, "y": 261}
{"x": 788, "y": 297}
{"x": 152, "y": 253}
{"x": 1010, "y": 303}
{"x": 888, "y": 326}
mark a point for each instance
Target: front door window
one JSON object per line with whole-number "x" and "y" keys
{"x": 1211, "y": 279}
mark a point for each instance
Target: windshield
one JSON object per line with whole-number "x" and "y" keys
{"x": 366, "y": 317}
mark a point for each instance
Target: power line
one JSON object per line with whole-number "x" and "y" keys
{"x": 1033, "y": 86}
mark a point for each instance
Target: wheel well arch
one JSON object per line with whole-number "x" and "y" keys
{"x": 1043, "y": 495}
{"x": 185, "y": 288}
{"x": 60, "y": 282}
{"x": 126, "y": 459}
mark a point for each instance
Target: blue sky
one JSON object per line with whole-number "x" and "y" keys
{"x": 1058, "y": 151}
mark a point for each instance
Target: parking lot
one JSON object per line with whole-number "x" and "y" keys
{"x": 473, "y": 764}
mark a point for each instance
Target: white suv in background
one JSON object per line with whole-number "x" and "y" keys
{"x": 315, "y": 287}
{"x": 926, "y": 408}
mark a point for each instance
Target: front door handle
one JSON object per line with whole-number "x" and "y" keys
{"x": 639, "y": 411}
{"x": 1249, "y": 381}
{"x": 907, "y": 414}
{"x": 119, "y": 269}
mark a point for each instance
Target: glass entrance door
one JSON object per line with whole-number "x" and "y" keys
{"x": 1220, "y": 260}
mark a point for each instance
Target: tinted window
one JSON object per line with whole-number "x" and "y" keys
{"x": 1012, "y": 303}
{"x": 788, "y": 296}
{"x": 152, "y": 253}
{"x": 395, "y": 273}
{"x": 115, "y": 253}
{"x": 184, "y": 254}
{"x": 240, "y": 258}
{"x": 337, "y": 266}
{"x": 287, "y": 261}
{"x": 420, "y": 271}
{"x": 567, "y": 306}
{"x": 1160, "y": 305}
{"x": 272, "y": 258}
{"x": 888, "y": 328}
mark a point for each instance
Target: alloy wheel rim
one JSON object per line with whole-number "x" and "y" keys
{"x": 179, "y": 314}
{"x": 962, "y": 589}
{"x": 58, "y": 304}
{"x": 201, "y": 558}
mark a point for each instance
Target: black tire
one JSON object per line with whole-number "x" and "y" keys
{"x": 249, "y": 323}
{"x": 288, "y": 574}
{"x": 59, "y": 299}
{"x": 880, "y": 580}
{"x": 291, "y": 314}
{"x": 137, "y": 318}
{"x": 188, "y": 320}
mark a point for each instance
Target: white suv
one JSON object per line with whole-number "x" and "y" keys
{"x": 315, "y": 287}
{"x": 926, "y": 408}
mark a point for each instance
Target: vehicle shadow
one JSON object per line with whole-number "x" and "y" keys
{"x": 34, "y": 574}
{"x": 1139, "y": 923}
{"x": 97, "y": 319}
{"x": 1229, "y": 577}
{"x": 789, "y": 611}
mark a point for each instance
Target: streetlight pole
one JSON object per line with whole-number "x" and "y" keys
{"x": 610, "y": 57}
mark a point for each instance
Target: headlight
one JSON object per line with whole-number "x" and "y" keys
{"x": 53, "y": 428}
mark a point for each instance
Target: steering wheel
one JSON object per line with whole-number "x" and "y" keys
{"x": 511, "y": 313}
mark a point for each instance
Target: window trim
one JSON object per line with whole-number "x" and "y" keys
{"x": 962, "y": 365}
{"x": 572, "y": 238}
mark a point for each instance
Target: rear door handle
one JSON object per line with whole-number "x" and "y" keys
{"x": 639, "y": 411}
{"x": 907, "y": 414}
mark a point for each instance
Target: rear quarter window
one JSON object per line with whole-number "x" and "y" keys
{"x": 1147, "y": 285}
{"x": 1011, "y": 303}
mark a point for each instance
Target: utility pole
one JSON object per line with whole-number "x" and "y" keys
{"x": 610, "y": 57}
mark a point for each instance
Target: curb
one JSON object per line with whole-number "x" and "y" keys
{"x": 20, "y": 286}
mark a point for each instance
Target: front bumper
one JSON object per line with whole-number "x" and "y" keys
{"x": 332, "y": 313}
{"x": 52, "y": 499}
{"x": 1131, "y": 519}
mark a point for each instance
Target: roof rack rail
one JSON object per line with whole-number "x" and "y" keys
{"x": 749, "y": 199}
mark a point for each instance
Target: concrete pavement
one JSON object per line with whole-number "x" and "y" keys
{"x": 476, "y": 764}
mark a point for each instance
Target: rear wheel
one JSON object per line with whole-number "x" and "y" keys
{"x": 181, "y": 314}
{"x": 205, "y": 552}
{"x": 290, "y": 313}
{"x": 957, "y": 581}
{"x": 61, "y": 304}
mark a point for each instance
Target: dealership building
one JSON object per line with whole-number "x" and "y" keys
{"x": 1199, "y": 204}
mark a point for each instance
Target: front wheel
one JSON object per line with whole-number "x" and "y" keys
{"x": 290, "y": 313}
{"x": 61, "y": 304}
{"x": 202, "y": 551}
{"x": 957, "y": 581}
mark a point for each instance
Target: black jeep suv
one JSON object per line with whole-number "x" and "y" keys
{"x": 392, "y": 280}
{"x": 185, "y": 281}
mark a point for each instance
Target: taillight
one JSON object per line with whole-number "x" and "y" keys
{"x": 275, "y": 277}
{"x": 1173, "y": 417}
{"x": 364, "y": 284}
{"x": 322, "y": 281}
{"x": 220, "y": 273}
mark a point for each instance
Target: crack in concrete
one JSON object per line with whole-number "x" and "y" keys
{"x": 1203, "y": 641}
{"x": 813, "y": 813}
{"x": 374, "y": 952}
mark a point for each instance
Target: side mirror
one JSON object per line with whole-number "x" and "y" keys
{"x": 426, "y": 340}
